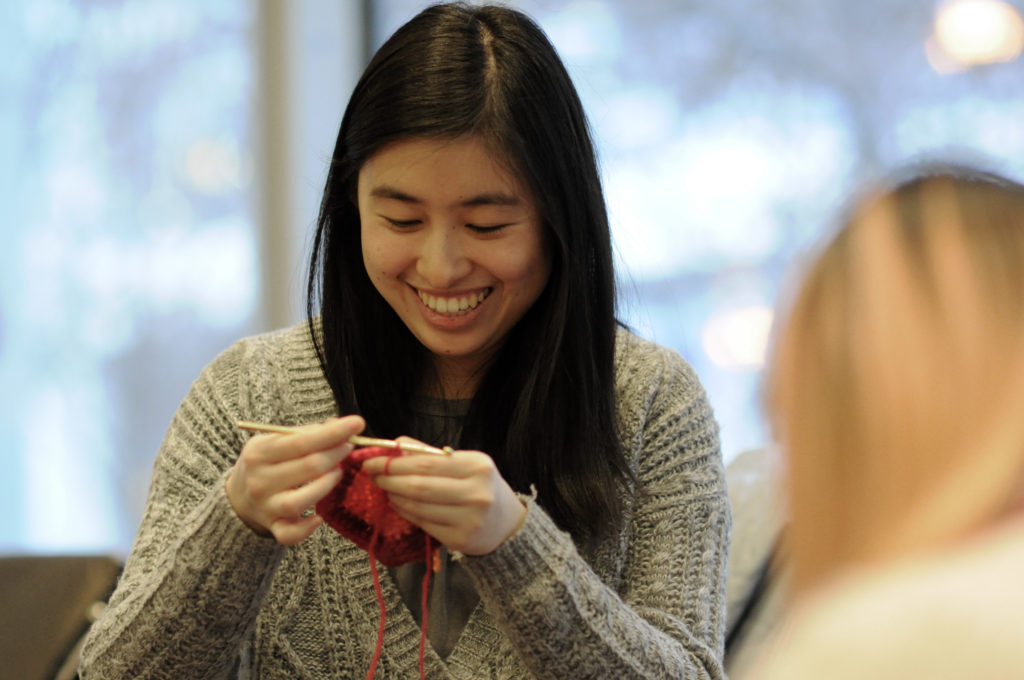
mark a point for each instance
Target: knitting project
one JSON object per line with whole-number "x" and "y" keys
{"x": 358, "y": 509}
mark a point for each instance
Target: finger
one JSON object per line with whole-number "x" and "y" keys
{"x": 315, "y": 437}
{"x": 381, "y": 461}
{"x": 420, "y": 512}
{"x": 459, "y": 464}
{"x": 263, "y": 481}
{"x": 292, "y": 503}
{"x": 433, "y": 489}
{"x": 300, "y": 471}
{"x": 290, "y": 532}
{"x": 466, "y": 532}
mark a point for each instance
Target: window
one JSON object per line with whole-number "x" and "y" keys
{"x": 130, "y": 254}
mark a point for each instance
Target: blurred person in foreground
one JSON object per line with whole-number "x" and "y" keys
{"x": 896, "y": 390}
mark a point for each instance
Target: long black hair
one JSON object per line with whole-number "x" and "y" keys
{"x": 545, "y": 408}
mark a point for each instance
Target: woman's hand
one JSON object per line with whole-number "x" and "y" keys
{"x": 278, "y": 477}
{"x": 461, "y": 499}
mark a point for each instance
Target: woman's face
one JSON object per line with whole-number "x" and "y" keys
{"x": 454, "y": 244}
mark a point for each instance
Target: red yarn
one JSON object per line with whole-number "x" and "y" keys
{"x": 358, "y": 509}
{"x": 383, "y": 609}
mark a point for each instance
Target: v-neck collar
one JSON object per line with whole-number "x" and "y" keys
{"x": 479, "y": 639}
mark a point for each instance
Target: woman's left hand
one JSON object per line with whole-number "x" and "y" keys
{"x": 461, "y": 499}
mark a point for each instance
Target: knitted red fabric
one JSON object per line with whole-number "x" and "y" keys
{"x": 358, "y": 509}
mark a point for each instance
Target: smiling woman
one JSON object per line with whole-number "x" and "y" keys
{"x": 461, "y": 292}
{"x": 455, "y": 246}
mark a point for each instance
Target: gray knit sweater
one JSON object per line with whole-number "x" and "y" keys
{"x": 203, "y": 596}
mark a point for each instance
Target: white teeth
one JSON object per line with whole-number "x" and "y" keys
{"x": 453, "y": 305}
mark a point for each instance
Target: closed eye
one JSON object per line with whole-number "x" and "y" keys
{"x": 402, "y": 223}
{"x": 486, "y": 230}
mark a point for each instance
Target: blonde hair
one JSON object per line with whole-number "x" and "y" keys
{"x": 896, "y": 386}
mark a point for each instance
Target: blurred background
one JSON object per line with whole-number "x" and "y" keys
{"x": 162, "y": 162}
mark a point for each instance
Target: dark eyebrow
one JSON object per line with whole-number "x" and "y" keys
{"x": 496, "y": 198}
{"x": 394, "y": 194}
{"x": 492, "y": 198}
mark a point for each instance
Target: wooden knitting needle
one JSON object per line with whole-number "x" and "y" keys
{"x": 358, "y": 440}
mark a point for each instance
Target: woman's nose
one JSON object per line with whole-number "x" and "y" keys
{"x": 442, "y": 260}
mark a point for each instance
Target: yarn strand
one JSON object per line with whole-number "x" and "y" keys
{"x": 380, "y": 601}
{"x": 430, "y": 562}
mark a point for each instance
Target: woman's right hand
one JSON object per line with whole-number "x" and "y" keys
{"x": 278, "y": 477}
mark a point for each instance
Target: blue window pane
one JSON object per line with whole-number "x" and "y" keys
{"x": 130, "y": 253}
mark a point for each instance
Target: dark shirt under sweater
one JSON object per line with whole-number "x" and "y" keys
{"x": 452, "y": 597}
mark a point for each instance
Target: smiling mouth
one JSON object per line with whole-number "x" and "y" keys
{"x": 454, "y": 306}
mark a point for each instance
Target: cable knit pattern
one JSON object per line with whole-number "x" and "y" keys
{"x": 202, "y": 596}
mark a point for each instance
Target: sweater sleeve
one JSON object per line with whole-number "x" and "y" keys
{"x": 195, "y": 578}
{"x": 667, "y": 620}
